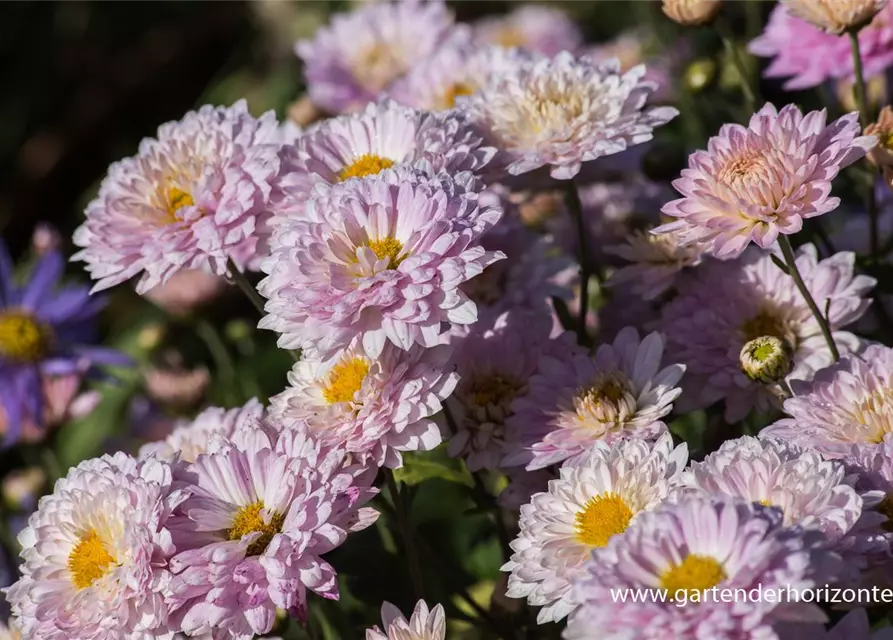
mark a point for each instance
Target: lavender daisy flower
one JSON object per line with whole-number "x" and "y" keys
{"x": 755, "y": 182}
{"x": 845, "y": 404}
{"x": 424, "y": 624}
{"x": 352, "y": 60}
{"x": 724, "y": 305}
{"x": 572, "y": 403}
{"x": 380, "y": 258}
{"x": 533, "y": 27}
{"x": 249, "y": 538}
{"x": 46, "y": 332}
{"x": 374, "y": 408}
{"x": 564, "y": 111}
{"x": 195, "y": 197}
{"x": 685, "y": 550}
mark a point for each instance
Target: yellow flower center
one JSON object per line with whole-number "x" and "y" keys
{"x": 697, "y": 573}
{"x": 602, "y": 517}
{"x": 389, "y": 248}
{"x": 458, "y": 89}
{"x": 493, "y": 389}
{"x": 378, "y": 64}
{"x": 766, "y": 323}
{"x": 366, "y": 165}
{"x": 886, "y": 508}
{"x": 741, "y": 167}
{"x": 765, "y": 502}
{"x": 509, "y": 37}
{"x": 249, "y": 520}
{"x": 887, "y": 140}
{"x": 609, "y": 400}
{"x": 345, "y": 379}
{"x": 22, "y": 337}
{"x": 177, "y": 199}
{"x": 89, "y": 560}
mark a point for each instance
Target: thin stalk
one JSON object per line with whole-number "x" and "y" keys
{"x": 788, "y": 252}
{"x": 406, "y": 532}
{"x": 575, "y": 208}
{"x": 750, "y": 94}
{"x": 865, "y": 118}
{"x": 247, "y": 288}
{"x": 220, "y": 354}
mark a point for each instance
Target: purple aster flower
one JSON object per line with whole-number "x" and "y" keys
{"x": 683, "y": 551}
{"x": 565, "y": 111}
{"x": 360, "y": 54}
{"x": 381, "y": 258}
{"x": 534, "y": 27}
{"x": 249, "y": 539}
{"x": 808, "y": 56}
{"x": 620, "y": 392}
{"x": 195, "y": 197}
{"x": 46, "y": 332}
{"x": 723, "y": 305}
{"x": 755, "y": 182}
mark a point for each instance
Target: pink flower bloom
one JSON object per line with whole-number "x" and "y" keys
{"x": 572, "y": 403}
{"x": 563, "y": 111}
{"x": 186, "y": 291}
{"x": 374, "y": 408}
{"x": 808, "y": 56}
{"x": 423, "y": 625}
{"x": 250, "y": 537}
{"x": 352, "y": 60}
{"x": 723, "y": 305}
{"x": 380, "y": 258}
{"x": 755, "y": 182}
{"x": 533, "y": 27}
{"x": 192, "y": 198}
{"x": 95, "y": 554}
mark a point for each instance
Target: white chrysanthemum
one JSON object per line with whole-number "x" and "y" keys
{"x": 190, "y": 438}
{"x": 95, "y": 554}
{"x": 587, "y": 505}
{"x": 565, "y": 111}
{"x": 423, "y": 625}
{"x": 655, "y": 261}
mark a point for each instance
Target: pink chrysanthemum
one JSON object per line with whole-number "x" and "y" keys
{"x": 495, "y": 358}
{"x": 380, "y": 258}
{"x": 352, "y": 60}
{"x": 563, "y": 111}
{"x": 95, "y": 554}
{"x": 191, "y": 438}
{"x": 250, "y": 537}
{"x": 424, "y": 624}
{"x": 724, "y": 305}
{"x": 686, "y": 549}
{"x": 195, "y": 197}
{"x": 536, "y": 28}
{"x": 588, "y": 505}
{"x": 372, "y": 407}
{"x": 808, "y": 56}
{"x": 755, "y": 182}
{"x": 846, "y": 404}
{"x": 572, "y": 403}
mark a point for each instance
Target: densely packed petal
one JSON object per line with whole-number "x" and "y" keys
{"x": 425, "y": 624}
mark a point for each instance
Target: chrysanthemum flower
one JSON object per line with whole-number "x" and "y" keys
{"x": 835, "y": 16}
{"x": 685, "y": 550}
{"x": 380, "y": 258}
{"x": 95, "y": 554}
{"x": 572, "y": 403}
{"x": 372, "y": 407}
{"x": 424, "y": 624}
{"x": 46, "y": 333}
{"x": 495, "y": 358}
{"x": 808, "y": 56}
{"x": 691, "y": 13}
{"x": 724, "y": 305}
{"x": 656, "y": 261}
{"x": 249, "y": 538}
{"x": 846, "y": 404}
{"x": 755, "y": 182}
{"x": 195, "y": 197}
{"x": 352, "y": 60}
{"x": 187, "y": 291}
{"x": 191, "y": 438}
{"x": 563, "y": 111}
{"x": 533, "y": 27}
{"x": 589, "y": 504}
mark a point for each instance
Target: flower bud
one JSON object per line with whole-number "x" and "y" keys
{"x": 835, "y": 16}
{"x": 882, "y": 154}
{"x": 767, "y": 359}
{"x": 699, "y": 74}
{"x": 691, "y": 13}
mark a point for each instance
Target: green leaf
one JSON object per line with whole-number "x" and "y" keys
{"x": 418, "y": 467}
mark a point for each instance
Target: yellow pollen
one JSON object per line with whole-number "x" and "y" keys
{"x": 458, "y": 89}
{"x": 389, "y": 248}
{"x": 609, "y": 389}
{"x": 89, "y": 560}
{"x": 765, "y": 323}
{"x": 765, "y": 502}
{"x": 249, "y": 520}
{"x": 886, "y": 508}
{"x": 366, "y": 165}
{"x": 493, "y": 389}
{"x": 887, "y": 140}
{"x": 345, "y": 379}
{"x": 509, "y": 37}
{"x": 602, "y": 517}
{"x": 177, "y": 199}
{"x": 22, "y": 337}
{"x": 696, "y": 574}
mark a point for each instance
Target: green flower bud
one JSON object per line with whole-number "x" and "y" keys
{"x": 767, "y": 359}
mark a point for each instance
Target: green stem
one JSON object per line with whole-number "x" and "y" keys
{"x": 788, "y": 252}
{"x": 575, "y": 208}
{"x": 406, "y": 532}
{"x": 861, "y": 95}
{"x": 219, "y": 353}
{"x": 750, "y": 93}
